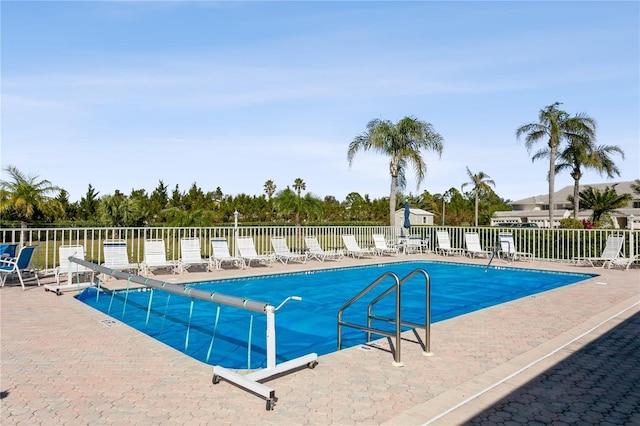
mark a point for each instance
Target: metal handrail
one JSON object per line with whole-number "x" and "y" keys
{"x": 397, "y": 320}
{"x": 427, "y": 304}
{"x": 495, "y": 251}
{"x": 356, "y": 298}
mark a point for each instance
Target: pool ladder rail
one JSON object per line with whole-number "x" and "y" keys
{"x": 397, "y": 320}
{"x": 496, "y": 252}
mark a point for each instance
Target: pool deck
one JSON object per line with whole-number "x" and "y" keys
{"x": 564, "y": 356}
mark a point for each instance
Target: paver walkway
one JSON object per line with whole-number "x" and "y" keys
{"x": 597, "y": 384}
{"x": 62, "y": 364}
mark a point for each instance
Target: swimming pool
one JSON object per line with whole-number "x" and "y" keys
{"x": 235, "y": 338}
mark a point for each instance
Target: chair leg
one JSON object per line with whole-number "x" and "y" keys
{"x": 21, "y": 281}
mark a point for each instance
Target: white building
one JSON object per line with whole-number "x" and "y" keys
{"x": 416, "y": 217}
{"x": 536, "y": 209}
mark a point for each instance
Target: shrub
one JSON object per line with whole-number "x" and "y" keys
{"x": 571, "y": 223}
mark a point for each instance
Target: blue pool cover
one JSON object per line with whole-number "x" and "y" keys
{"x": 235, "y": 338}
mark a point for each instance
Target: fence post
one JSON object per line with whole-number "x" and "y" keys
{"x": 631, "y": 247}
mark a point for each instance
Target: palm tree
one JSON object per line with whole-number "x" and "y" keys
{"x": 299, "y": 186}
{"x": 26, "y": 195}
{"x": 402, "y": 142}
{"x": 481, "y": 183}
{"x": 583, "y": 153}
{"x": 601, "y": 202}
{"x": 287, "y": 201}
{"x": 555, "y": 125}
{"x": 179, "y": 217}
{"x": 119, "y": 210}
{"x": 269, "y": 189}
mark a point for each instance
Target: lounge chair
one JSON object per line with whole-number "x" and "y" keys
{"x": 381, "y": 246}
{"x": 444, "y": 245}
{"x": 353, "y": 249}
{"x": 8, "y": 251}
{"x": 116, "y": 257}
{"x": 282, "y": 252}
{"x": 315, "y": 251}
{"x": 472, "y": 241}
{"x": 71, "y": 269}
{"x": 622, "y": 262}
{"x": 508, "y": 248}
{"x": 155, "y": 257}
{"x": 18, "y": 266}
{"x": 221, "y": 254}
{"x": 190, "y": 255}
{"x": 247, "y": 250}
{"x": 611, "y": 251}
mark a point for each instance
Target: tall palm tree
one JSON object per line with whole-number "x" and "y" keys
{"x": 299, "y": 186}
{"x": 554, "y": 126}
{"x": 269, "y": 189}
{"x": 583, "y": 153}
{"x": 25, "y": 195}
{"x": 403, "y": 143}
{"x": 481, "y": 184}
{"x": 601, "y": 202}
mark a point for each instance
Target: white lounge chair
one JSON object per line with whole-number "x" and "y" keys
{"x": 18, "y": 266}
{"x": 611, "y": 251}
{"x": 381, "y": 246}
{"x": 116, "y": 257}
{"x": 247, "y": 250}
{"x": 155, "y": 257}
{"x": 282, "y": 252}
{"x": 622, "y": 262}
{"x": 190, "y": 255}
{"x": 508, "y": 248}
{"x": 353, "y": 249}
{"x": 315, "y": 251}
{"x": 474, "y": 249}
{"x": 444, "y": 245}
{"x": 71, "y": 269}
{"x": 221, "y": 254}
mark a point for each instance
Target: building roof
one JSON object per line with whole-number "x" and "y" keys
{"x": 561, "y": 195}
{"x": 417, "y": 211}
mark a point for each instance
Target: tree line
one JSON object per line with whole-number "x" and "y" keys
{"x": 31, "y": 200}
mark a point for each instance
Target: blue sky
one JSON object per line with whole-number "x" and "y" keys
{"x": 121, "y": 95}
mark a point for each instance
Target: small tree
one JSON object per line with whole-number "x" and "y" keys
{"x": 25, "y": 195}
{"x": 601, "y": 202}
{"x": 481, "y": 184}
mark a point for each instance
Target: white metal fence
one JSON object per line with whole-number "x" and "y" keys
{"x": 545, "y": 244}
